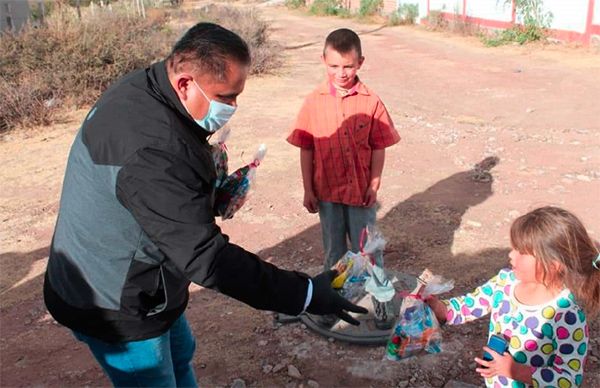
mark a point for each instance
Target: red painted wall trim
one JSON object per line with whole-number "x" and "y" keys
{"x": 588, "y": 23}
{"x": 513, "y": 11}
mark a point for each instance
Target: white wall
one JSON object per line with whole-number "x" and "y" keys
{"x": 490, "y": 9}
{"x": 450, "y": 6}
{"x": 596, "y": 19}
{"x": 568, "y": 15}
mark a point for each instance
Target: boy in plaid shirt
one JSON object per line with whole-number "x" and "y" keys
{"x": 342, "y": 131}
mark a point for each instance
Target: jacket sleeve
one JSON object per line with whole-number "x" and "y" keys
{"x": 171, "y": 199}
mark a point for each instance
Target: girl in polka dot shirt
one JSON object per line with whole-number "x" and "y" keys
{"x": 539, "y": 305}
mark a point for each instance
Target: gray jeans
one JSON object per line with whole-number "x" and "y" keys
{"x": 340, "y": 223}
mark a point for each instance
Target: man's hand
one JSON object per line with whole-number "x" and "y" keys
{"x": 311, "y": 203}
{"x": 325, "y": 300}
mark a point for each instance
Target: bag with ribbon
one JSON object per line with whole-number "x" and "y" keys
{"x": 233, "y": 192}
{"x": 417, "y": 329}
{"x": 358, "y": 273}
{"x": 219, "y": 154}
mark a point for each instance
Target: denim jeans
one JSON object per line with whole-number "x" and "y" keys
{"x": 340, "y": 223}
{"x": 163, "y": 361}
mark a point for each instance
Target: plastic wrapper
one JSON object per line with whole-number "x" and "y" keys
{"x": 231, "y": 195}
{"x": 356, "y": 269}
{"x": 219, "y": 154}
{"x": 417, "y": 328}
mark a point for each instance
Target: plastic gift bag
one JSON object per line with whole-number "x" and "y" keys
{"x": 233, "y": 192}
{"x": 356, "y": 270}
{"x": 417, "y": 328}
{"x": 219, "y": 154}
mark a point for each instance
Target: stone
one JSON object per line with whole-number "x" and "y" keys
{"x": 294, "y": 372}
{"x": 238, "y": 383}
{"x": 278, "y": 367}
{"x": 312, "y": 384}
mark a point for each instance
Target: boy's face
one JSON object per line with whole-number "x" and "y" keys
{"x": 342, "y": 67}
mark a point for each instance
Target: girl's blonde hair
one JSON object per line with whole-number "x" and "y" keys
{"x": 555, "y": 236}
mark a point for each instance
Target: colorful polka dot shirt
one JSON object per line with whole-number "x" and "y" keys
{"x": 552, "y": 338}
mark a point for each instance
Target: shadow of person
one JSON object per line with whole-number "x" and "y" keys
{"x": 421, "y": 229}
{"x": 20, "y": 276}
{"x": 420, "y": 232}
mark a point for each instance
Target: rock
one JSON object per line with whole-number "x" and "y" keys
{"x": 403, "y": 384}
{"x": 312, "y": 384}
{"x": 513, "y": 214}
{"x": 529, "y": 110}
{"x": 238, "y": 383}
{"x": 331, "y": 339}
{"x": 294, "y": 372}
{"x": 583, "y": 178}
{"x": 262, "y": 342}
{"x": 474, "y": 224}
{"x": 267, "y": 368}
{"x": 278, "y": 367}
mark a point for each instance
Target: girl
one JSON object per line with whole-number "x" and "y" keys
{"x": 538, "y": 305}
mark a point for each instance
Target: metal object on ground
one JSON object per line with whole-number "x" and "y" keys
{"x": 367, "y": 332}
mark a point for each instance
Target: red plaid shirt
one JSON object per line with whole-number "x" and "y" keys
{"x": 342, "y": 131}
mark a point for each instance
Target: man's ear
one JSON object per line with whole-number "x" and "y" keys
{"x": 182, "y": 83}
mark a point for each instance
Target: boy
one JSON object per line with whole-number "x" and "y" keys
{"x": 342, "y": 131}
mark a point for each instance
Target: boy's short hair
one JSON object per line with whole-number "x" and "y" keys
{"x": 343, "y": 41}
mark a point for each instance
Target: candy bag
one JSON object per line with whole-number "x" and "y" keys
{"x": 355, "y": 270}
{"x": 417, "y": 328}
{"x": 233, "y": 192}
{"x": 219, "y": 154}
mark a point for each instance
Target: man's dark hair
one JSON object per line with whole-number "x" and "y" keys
{"x": 209, "y": 47}
{"x": 343, "y": 41}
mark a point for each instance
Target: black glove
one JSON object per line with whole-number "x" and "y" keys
{"x": 325, "y": 300}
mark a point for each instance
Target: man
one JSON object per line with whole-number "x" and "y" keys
{"x": 136, "y": 221}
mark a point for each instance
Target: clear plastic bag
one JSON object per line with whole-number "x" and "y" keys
{"x": 220, "y": 158}
{"x": 231, "y": 195}
{"x": 417, "y": 328}
{"x": 355, "y": 269}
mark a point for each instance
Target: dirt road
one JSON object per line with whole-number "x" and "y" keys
{"x": 534, "y": 110}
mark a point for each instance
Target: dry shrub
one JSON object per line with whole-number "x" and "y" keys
{"x": 247, "y": 23}
{"x": 72, "y": 61}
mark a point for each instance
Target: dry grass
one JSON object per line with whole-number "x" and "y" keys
{"x": 70, "y": 62}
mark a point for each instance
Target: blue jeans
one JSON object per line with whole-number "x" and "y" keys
{"x": 340, "y": 223}
{"x": 163, "y": 361}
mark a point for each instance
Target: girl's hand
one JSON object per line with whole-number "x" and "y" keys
{"x": 501, "y": 365}
{"x": 439, "y": 309}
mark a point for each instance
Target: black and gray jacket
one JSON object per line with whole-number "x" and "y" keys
{"x": 136, "y": 221}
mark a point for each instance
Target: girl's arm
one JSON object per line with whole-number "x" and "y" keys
{"x": 477, "y": 304}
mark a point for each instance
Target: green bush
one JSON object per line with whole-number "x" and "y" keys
{"x": 370, "y": 7}
{"x": 294, "y": 4}
{"x": 328, "y": 7}
{"x": 71, "y": 61}
{"x": 405, "y": 14}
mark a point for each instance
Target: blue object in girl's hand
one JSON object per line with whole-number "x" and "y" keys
{"x": 498, "y": 344}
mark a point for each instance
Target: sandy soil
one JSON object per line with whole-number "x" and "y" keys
{"x": 455, "y": 104}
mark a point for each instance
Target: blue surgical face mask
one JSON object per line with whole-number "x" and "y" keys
{"x": 217, "y": 116}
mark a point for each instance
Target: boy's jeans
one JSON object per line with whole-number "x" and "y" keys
{"x": 163, "y": 361}
{"x": 340, "y": 223}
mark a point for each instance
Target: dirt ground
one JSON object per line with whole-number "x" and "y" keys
{"x": 455, "y": 104}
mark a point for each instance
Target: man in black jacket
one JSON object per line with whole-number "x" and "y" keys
{"x": 136, "y": 221}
